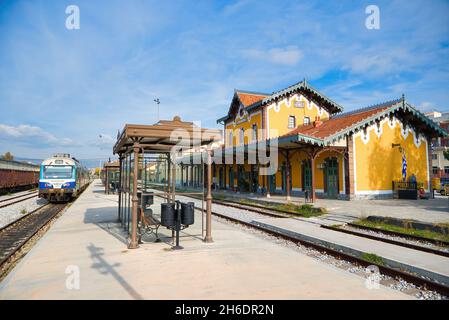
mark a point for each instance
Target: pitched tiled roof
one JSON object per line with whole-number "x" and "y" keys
{"x": 342, "y": 121}
{"x": 249, "y": 98}
{"x": 347, "y": 123}
{"x": 254, "y": 100}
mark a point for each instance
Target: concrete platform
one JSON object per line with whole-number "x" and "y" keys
{"x": 238, "y": 265}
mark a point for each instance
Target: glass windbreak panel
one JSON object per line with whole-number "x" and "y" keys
{"x": 57, "y": 172}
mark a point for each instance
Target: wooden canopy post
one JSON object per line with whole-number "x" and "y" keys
{"x": 173, "y": 180}
{"x": 133, "y": 244}
{"x": 209, "y": 198}
{"x": 120, "y": 187}
{"x": 106, "y": 180}
{"x": 182, "y": 175}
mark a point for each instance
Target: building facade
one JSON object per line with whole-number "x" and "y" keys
{"x": 321, "y": 150}
{"x": 440, "y": 165}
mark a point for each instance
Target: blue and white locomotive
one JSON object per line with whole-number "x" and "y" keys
{"x": 62, "y": 178}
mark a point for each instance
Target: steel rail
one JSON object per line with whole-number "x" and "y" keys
{"x": 16, "y": 201}
{"x": 403, "y": 235}
{"x": 19, "y": 196}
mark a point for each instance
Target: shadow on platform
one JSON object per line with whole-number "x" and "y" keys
{"x": 105, "y": 268}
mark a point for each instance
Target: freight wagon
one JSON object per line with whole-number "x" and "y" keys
{"x": 17, "y": 176}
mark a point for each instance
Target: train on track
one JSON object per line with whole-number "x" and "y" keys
{"x": 17, "y": 176}
{"x": 62, "y": 178}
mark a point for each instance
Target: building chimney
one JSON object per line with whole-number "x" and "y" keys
{"x": 317, "y": 122}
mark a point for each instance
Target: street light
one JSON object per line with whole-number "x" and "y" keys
{"x": 158, "y": 102}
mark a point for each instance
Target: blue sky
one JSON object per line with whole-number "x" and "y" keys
{"x": 61, "y": 89}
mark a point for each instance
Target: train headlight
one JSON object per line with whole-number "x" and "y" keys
{"x": 48, "y": 185}
{"x": 65, "y": 185}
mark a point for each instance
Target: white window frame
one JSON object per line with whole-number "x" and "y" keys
{"x": 306, "y": 122}
{"x": 254, "y": 132}
{"x": 294, "y": 122}
{"x": 242, "y": 136}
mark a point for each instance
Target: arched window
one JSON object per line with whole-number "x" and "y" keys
{"x": 242, "y": 136}
{"x": 254, "y": 137}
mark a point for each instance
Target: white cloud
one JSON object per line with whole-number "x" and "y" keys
{"x": 32, "y": 136}
{"x": 290, "y": 55}
{"x": 426, "y": 106}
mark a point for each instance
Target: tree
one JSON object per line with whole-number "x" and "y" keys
{"x": 8, "y": 156}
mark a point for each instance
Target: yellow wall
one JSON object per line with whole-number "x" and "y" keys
{"x": 377, "y": 164}
{"x": 277, "y": 115}
{"x": 246, "y": 123}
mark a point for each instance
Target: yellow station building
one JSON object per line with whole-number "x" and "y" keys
{"x": 323, "y": 151}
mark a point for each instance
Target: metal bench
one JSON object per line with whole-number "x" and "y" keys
{"x": 147, "y": 222}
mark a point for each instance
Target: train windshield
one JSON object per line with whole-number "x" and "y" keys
{"x": 57, "y": 172}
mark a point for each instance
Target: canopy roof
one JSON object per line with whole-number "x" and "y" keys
{"x": 164, "y": 135}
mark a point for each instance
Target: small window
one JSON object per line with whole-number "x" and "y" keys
{"x": 254, "y": 132}
{"x": 230, "y": 138}
{"x": 434, "y": 170}
{"x": 446, "y": 170}
{"x": 306, "y": 121}
{"x": 291, "y": 122}
{"x": 434, "y": 156}
{"x": 242, "y": 136}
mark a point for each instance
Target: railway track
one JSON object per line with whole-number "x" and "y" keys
{"x": 398, "y": 234}
{"x": 17, "y": 233}
{"x": 13, "y": 200}
{"x": 425, "y": 283}
{"x": 390, "y": 241}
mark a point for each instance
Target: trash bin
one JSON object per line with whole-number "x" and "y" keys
{"x": 168, "y": 214}
{"x": 187, "y": 213}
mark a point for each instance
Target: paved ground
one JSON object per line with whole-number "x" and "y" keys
{"x": 238, "y": 265}
{"x": 433, "y": 210}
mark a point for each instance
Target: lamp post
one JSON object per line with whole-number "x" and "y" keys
{"x": 158, "y": 102}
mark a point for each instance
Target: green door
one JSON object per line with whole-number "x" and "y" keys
{"x": 306, "y": 175}
{"x": 331, "y": 177}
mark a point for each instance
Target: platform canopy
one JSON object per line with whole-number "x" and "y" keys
{"x": 163, "y": 135}
{"x": 162, "y": 138}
